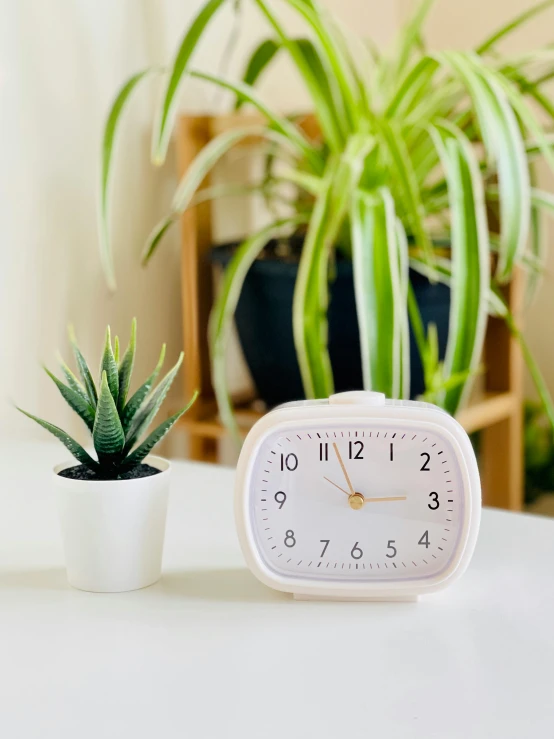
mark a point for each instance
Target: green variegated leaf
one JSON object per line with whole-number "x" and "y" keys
{"x": 317, "y": 76}
{"x": 84, "y": 371}
{"x": 332, "y": 54}
{"x": 402, "y": 309}
{"x": 138, "y": 397}
{"x": 223, "y": 311}
{"x": 108, "y": 145}
{"x": 260, "y": 59}
{"x": 288, "y": 130}
{"x": 505, "y": 146}
{"x": 380, "y": 282}
{"x": 214, "y": 192}
{"x": 515, "y": 23}
{"x": 116, "y": 349}
{"x": 410, "y": 36}
{"x": 470, "y": 260}
{"x": 107, "y": 433}
{"x": 109, "y": 366}
{"x": 145, "y": 415}
{"x": 155, "y": 237}
{"x": 200, "y": 167}
{"x": 532, "y": 366}
{"x": 155, "y": 437}
{"x": 309, "y": 183}
{"x": 408, "y": 190}
{"x": 177, "y": 74}
{"x": 75, "y": 400}
{"x": 126, "y": 368}
{"x": 311, "y": 295}
{"x": 414, "y": 85}
{"x": 306, "y": 53}
{"x": 414, "y": 314}
{"x": 540, "y": 201}
{"x": 76, "y": 449}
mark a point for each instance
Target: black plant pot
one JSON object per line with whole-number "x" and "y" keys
{"x": 264, "y": 324}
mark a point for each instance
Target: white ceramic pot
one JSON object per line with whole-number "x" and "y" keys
{"x": 113, "y": 530}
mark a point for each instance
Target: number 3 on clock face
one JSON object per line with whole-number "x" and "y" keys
{"x": 357, "y": 498}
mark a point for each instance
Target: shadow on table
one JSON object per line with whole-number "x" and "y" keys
{"x": 54, "y": 579}
{"x": 218, "y": 585}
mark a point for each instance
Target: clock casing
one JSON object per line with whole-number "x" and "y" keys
{"x": 414, "y": 473}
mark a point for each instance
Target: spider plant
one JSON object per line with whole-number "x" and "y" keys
{"x": 415, "y": 146}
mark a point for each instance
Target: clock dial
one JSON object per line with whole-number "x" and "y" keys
{"x": 367, "y": 501}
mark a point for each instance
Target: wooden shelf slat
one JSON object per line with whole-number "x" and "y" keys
{"x": 493, "y": 408}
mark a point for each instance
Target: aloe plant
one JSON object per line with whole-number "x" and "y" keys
{"x": 415, "y": 146}
{"x": 115, "y": 419}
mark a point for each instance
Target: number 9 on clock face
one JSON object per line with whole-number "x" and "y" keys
{"x": 355, "y": 500}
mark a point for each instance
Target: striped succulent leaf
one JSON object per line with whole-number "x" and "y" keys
{"x": 155, "y": 437}
{"x": 107, "y": 434}
{"x": 72, "y": 381}
{"x": 151, "y": 406}
{"x": 75, "y": 400}
{"x": 138, "y": 397}
{"x": 126, "y": 368}
{"x": 108, "y": 366}
{"x": 84, "y": 371}
{"x": 76, "y": 449}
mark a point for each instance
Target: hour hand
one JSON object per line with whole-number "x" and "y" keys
{"x": 337, "y": 486}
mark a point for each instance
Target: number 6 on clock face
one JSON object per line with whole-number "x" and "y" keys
{"x": 357, "y": 498}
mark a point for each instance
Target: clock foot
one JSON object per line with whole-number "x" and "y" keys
{"x": 367, "y": 599}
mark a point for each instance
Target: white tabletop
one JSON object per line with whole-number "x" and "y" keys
{"x": 210, "y": 652}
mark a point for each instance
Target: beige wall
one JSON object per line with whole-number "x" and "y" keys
{"x": 61, "y": 63}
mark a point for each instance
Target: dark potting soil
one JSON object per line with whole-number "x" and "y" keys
{"x": 80, "y": 472}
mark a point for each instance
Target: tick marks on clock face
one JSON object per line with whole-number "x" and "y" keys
{"x": 366, "y": 501}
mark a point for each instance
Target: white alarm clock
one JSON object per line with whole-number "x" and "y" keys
{"x": 357, "y": 497}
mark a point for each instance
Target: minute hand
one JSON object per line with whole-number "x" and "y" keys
{"x": 345, "y": 473}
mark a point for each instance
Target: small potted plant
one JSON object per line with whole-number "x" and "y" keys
{"x": 113, "y": 508}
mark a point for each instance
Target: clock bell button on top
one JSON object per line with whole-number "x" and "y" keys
{"x": 358, "y": 397}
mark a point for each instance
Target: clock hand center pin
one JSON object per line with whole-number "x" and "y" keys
{"x": 356, "y": 500}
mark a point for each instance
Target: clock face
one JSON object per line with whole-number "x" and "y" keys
{"x": 363, "y": 501}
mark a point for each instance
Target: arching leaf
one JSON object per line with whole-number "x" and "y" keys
{"x": 76, "y": 449}
{"x": 262, "y": 56}
{"x": 111, "y": 128}
{"x": 139, "y": 396}
{"x": 223, "y": 311}
{"x": 176, "y": 76}
{"x": 137, "y": 456}
{"x": 75, "y": 400}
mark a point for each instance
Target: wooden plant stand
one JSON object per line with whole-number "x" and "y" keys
{"x": 497, "y": 412}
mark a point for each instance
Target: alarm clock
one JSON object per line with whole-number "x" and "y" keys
{"x": 357, "y": 498}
